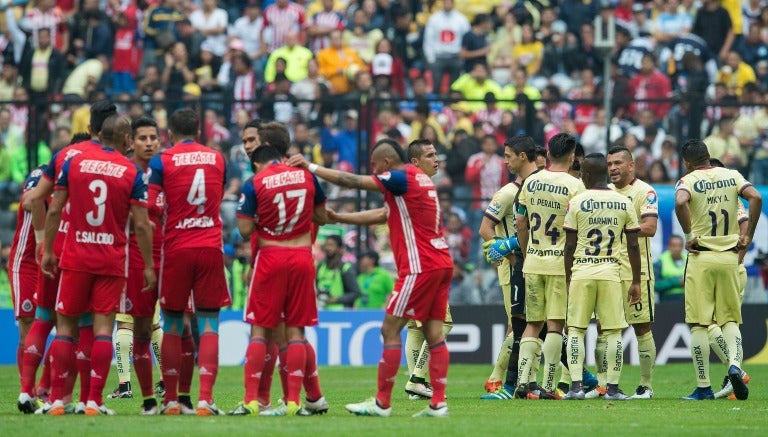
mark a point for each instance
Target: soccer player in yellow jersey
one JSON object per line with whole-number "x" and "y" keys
{"x": 594, "y": 225}
{"x": 706, "y": 205}
{"x": 542, "y": 201}
{"x": 621, "y": 170}
{"x": 499, "y": 221}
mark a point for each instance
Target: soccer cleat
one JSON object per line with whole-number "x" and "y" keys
{"x": 245, "y": 409}
{"x": 421, "y": 389}
{"x": 206, "y": 409}
{"x": 319, "y": 406}
{"x": 440, "y": 411}
{"x": 54, "y": 409}
{"x": 78, "y": 408}
{"x": 123, "y": 391}
{"x": 42, "y": 394}
{"x": 550, "y": 395}
{"x": 368, "y": 408}
{"x": 521, "y": 392}
{"x": 588, "y": 380}
{"x": 94, "y": 409}
{"x": 700, "y": 394}
{"x": 504, "y": 392}
{"x": 160, "y": 389}
{"x": 171, "y": 408}
{"x": 736, "y": 378}
{"x": 643, "y": 392}
{"x": 617, "y": 396}
{"x": 283, "y": 409}
{"x": 597, "y": 392}
{"x": 185, "y": 406}
{"x": 492, "y": 386}
{"x": 27, "y": 404}
{"x": 574, "y": 395}
{"x": 150, "y": 411}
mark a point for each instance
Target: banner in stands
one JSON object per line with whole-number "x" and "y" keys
{"x": 353, "y": 338}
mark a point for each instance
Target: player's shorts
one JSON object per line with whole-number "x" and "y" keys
{"x": 604, "y": 298}
{"x": 417, "y": 324}
{"x": 23, "y": 288}
{"x": 421, "y": 296}
{"x": 545, "y": 297}
{"x": 126, "y": 318}
{"x": 82, "y": 292}
{"x": 139, "y": 303}
{"x": 742, "y": 281}
{"x": 201, "y": 270}
{"x": 712, "y": 288}
{"x": 123, "y": 318}
{"x": 282, "y": 288}
{"x": 46, "y": 290}
{"x": 643, "y": 311}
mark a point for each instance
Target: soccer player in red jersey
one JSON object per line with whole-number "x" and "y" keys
{"x": 104, "y": 189}
{"x": 23, "y": 269}
{"x": 284, "y": 201}
{"x": 424, "y": 268}
{"x": 192, "y": 177}
{"x": 47, "y": 287}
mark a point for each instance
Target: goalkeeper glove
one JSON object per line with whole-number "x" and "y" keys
{"x": 498, "y": 248}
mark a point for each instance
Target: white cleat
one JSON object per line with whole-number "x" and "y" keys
{"x": 440, "y": 411}
{"x": 319, "y": 406}
{"x": 418, "y": 390}
{"x": 54, "y": 409}
{"x": 206, "y": 409}
{"x": 94, "y": 409}
{"x": 27, "y": 403}
{"x": 79, "y": 408}
{"x": 618, "y": 396}
{"x": 643, "y": 392}
{"x": 152, "y": 411}
{"x": 595, "y": 393}
{"x": 368, "y": 408}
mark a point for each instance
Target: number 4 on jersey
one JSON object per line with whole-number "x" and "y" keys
{"x": 196, "y": 195}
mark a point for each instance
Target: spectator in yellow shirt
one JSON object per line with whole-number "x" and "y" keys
{"x": 529, "y": 53}
{"x": 338, "y": 64}
{"x": 736, "y": 73}
{"x": 475, "y": 85}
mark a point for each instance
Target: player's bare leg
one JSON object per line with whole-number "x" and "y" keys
{"x": 142, "y": 362}
{"x": 100, "y": 361}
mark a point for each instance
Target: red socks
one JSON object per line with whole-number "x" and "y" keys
{"x": 171, "y": 363}
{"x": 20, "y": 359}
{"x": 296, "y": 361}
{"x": 390, "y": 362}
{"x": 255, "y": 367}
{"x": 311, "y": 377}
{"x": 265, "y": 383}
{"x": 83, "y": 353}
{"x": 101, "y": 358}
{"x": 208, "y": 363}
{"x": 283, "y": 369}
{"x": 34, "y": 347}
{"x": 62, "y": 365}
{"x": 438, "y": 371}
{"x": 142, "y": 365}
{"x": 44, "y": 385}
{"x": 187, "y": 364}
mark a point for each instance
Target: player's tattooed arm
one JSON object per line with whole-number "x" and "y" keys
{"x": 341, "y": 178}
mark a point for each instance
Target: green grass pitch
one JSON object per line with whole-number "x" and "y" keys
{"x": 664, "y": 415}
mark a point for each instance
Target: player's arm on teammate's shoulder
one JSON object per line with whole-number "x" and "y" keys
{"x": 341, "y": 178}
{"x": 571, "y": 238}
{"x": 143, "y": 230}
{"x": 376, "y": 216}
{"x": 755, "y": 200}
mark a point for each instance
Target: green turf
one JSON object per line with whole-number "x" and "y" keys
{"x": 664, "y": 415}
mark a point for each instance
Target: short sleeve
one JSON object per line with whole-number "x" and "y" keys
{"x": 319, "y": 193}
{"x": 631, "y": 223}
{"x": 500, "y": 206}
{"x": 246, "y": 208}
{"x": 683, "y": 185}
{"x": 62, "y": 179}
{"x": 571, "y": 219}
{"x": 156, "y": 171}
{"x": 33, "y": 179}
{"x": 741, "y": 182}
{"x": 650, "y": 205}
{"x": 139, "y": 195}
{"x": 49, "y": 170}
{"x": 393, "y": 181}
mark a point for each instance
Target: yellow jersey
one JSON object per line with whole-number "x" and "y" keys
{"x": 544, "y": 198}
{"x": 714, "y": 205}
{"x": 645, "y": 203}
{"x": 501, "y": 211}
{"x": 599, "y": 217}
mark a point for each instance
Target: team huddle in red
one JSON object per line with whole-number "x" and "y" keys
{"x": 115, "y": 235}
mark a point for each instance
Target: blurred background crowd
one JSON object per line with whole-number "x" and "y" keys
{"x": 466, "y": 74}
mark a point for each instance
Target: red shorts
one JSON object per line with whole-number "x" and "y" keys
{"x": 139, "y": 303}
{"x": 82, "y": 292}
{"x": 23, "y": 288}
{"x": 283, "y": 288}
{"x": 193, "y": 272}
{"x": 46, "y": 290}
{"x": 421, "y": 296}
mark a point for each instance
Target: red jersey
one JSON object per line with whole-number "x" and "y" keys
{"x": 52, "y": 171}
{"x": 413, "y": 217}
{"x": 22, "y": 256}
{"x": 102, "y": 185}
{"x": 277, "y": 198}
{"x": 135, "y": 260}
{"x": 192, "y": 176}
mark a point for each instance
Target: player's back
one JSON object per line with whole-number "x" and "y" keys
{"x": 22, "y": 255}
{"x": 102, "y": 185}
{"x": 714, "y": 205}
{"x": 544, "y": 196}
{"x": 599, "y": 217}
{"x": 645, "y": 203}
{"x": 285, "y": 201}
{"x": 192, "y": 177}
{"x": 414, "y": 220}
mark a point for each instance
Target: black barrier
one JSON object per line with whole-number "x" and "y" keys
{"x": 479, "y": 331}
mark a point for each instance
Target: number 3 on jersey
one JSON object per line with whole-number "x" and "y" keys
{"x": 196, "y": 195}
{"x": 99, "y": 190}
{"x": 281, "y": 213}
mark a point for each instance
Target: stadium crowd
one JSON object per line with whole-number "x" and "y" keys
{"x": 465, "y": 74}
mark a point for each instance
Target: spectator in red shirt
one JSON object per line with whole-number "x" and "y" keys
{"x": 125, "y": 56}
{"x": 650, "y": 83}
{"x": 459, "y": 238}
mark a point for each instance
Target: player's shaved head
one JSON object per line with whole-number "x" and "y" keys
{"x": 184, "y": 124}
{"x": 115, "y": 132}
{"x": 79, "y": 138}
{"x": 265, "y": 154}
{"x": 627, "y": 154}
{"x": 594, "y": 170}
{"x": 388, "y": 149}
{"x": 276, "y": 135}
{"x": 695, "y": 154}
{"x": 100, "y": 111}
